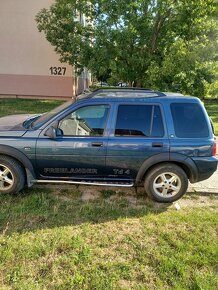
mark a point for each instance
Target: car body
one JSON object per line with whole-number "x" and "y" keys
{"x": 122, "y": 85}
{"x": 114, "y": 137}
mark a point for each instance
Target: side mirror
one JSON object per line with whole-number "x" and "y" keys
{"x": 51, "y": 133}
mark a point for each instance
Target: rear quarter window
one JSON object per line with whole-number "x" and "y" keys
{"x": 189, "y": 120}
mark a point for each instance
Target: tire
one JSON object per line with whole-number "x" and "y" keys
{"x": 12, "y": 175}
{"x": 166, "y": 183}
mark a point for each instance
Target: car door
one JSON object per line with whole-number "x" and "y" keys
{"x": 79, "y": 149}
{"x": 139, "y": 134}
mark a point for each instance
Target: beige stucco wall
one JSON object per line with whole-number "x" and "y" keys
{"x": 25, "y": 54}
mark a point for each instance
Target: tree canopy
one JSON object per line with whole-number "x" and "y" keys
{"x": 153, "y": 43}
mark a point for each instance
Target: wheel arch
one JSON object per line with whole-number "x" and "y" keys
{"x": 186, "y": 163}
{"x": 22, "y": 159}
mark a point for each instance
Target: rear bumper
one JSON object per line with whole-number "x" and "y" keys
{"x": 206, "y": 167}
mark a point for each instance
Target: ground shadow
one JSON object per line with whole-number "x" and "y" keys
{"x": 57, "y": 206}
{"x": 45, "y": 207}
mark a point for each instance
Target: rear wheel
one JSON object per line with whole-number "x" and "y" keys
{"x": 12, "y": 176}
{"x": 166, "y": 183}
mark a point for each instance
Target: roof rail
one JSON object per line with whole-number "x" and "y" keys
{"x": 116, "y": 89}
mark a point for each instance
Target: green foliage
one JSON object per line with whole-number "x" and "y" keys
{"x": 212, "y": 90}
{"x": 160, "y": 44}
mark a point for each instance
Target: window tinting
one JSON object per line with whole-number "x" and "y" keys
{"x": 139, "y": 121}
{"x": 86, "y": 121}
{"x": 189, "y": 120}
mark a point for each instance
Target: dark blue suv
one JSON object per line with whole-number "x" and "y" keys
{"x": 114, "y": 137}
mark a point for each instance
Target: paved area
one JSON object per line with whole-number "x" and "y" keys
{"x": 209, "y": 185}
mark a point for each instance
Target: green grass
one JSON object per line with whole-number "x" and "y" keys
{"x": 212, "y": 109}
{"x": 51, "y": 239}
{"x": 21, "y": 106}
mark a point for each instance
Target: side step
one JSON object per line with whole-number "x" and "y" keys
{"x": 122, "y": 184}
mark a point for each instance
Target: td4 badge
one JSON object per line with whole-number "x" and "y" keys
{"x": 121, "y": 171}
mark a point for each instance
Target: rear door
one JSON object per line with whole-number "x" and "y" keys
{"x": 138, "y": 134}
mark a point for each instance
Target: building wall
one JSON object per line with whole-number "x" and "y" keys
{"x": 28, "y": 63}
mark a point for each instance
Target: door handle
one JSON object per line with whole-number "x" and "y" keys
{"x": 157, "y": 144}
{"x": 97, "y": 144}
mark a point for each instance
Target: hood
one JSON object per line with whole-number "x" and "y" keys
{"x": 13, "y": 125}
{"x": 14, "y": 122}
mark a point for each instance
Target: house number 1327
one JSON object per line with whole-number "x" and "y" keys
{"x": 57, "y": 71}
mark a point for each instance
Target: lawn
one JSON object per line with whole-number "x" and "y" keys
{"x": 68, "y": 237}
{"x": 21, "y": 106}
{"x": 51, "y": 238}
{"x": 212, "y": 109}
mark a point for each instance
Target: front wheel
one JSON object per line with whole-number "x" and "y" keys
{"x": 12, "y": 177}
{"x": 166, "y": 183}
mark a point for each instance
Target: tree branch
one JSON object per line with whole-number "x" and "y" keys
{"x": 157, "y": 28}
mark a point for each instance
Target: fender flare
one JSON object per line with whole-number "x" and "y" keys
{"x": 22, "y": 158}
{"x": 187, "y": 162}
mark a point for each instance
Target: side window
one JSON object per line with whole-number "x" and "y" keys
{"x": 139, "y": 121}
{"x": 86, "y": 121}
{"x": 189, "y": 120}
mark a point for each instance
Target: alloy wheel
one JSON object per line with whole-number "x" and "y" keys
{"x": 167, "y": 184}
{"x": 6, "y": 178}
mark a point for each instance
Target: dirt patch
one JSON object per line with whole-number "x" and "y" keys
{"x": 199, "y": 199}
{"x": 90, "y": 194}
{"x": 136, "y": 199}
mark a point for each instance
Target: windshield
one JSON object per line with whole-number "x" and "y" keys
{"x": 49, "y": 115}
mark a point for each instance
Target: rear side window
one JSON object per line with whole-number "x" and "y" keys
{"x": 189, "y": 120}
{"x": 139, "y": 121}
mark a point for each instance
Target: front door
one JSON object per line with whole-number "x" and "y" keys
{"x": 78, "y": 152}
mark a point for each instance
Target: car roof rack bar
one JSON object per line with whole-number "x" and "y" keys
{"x": 149, "y": 91}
